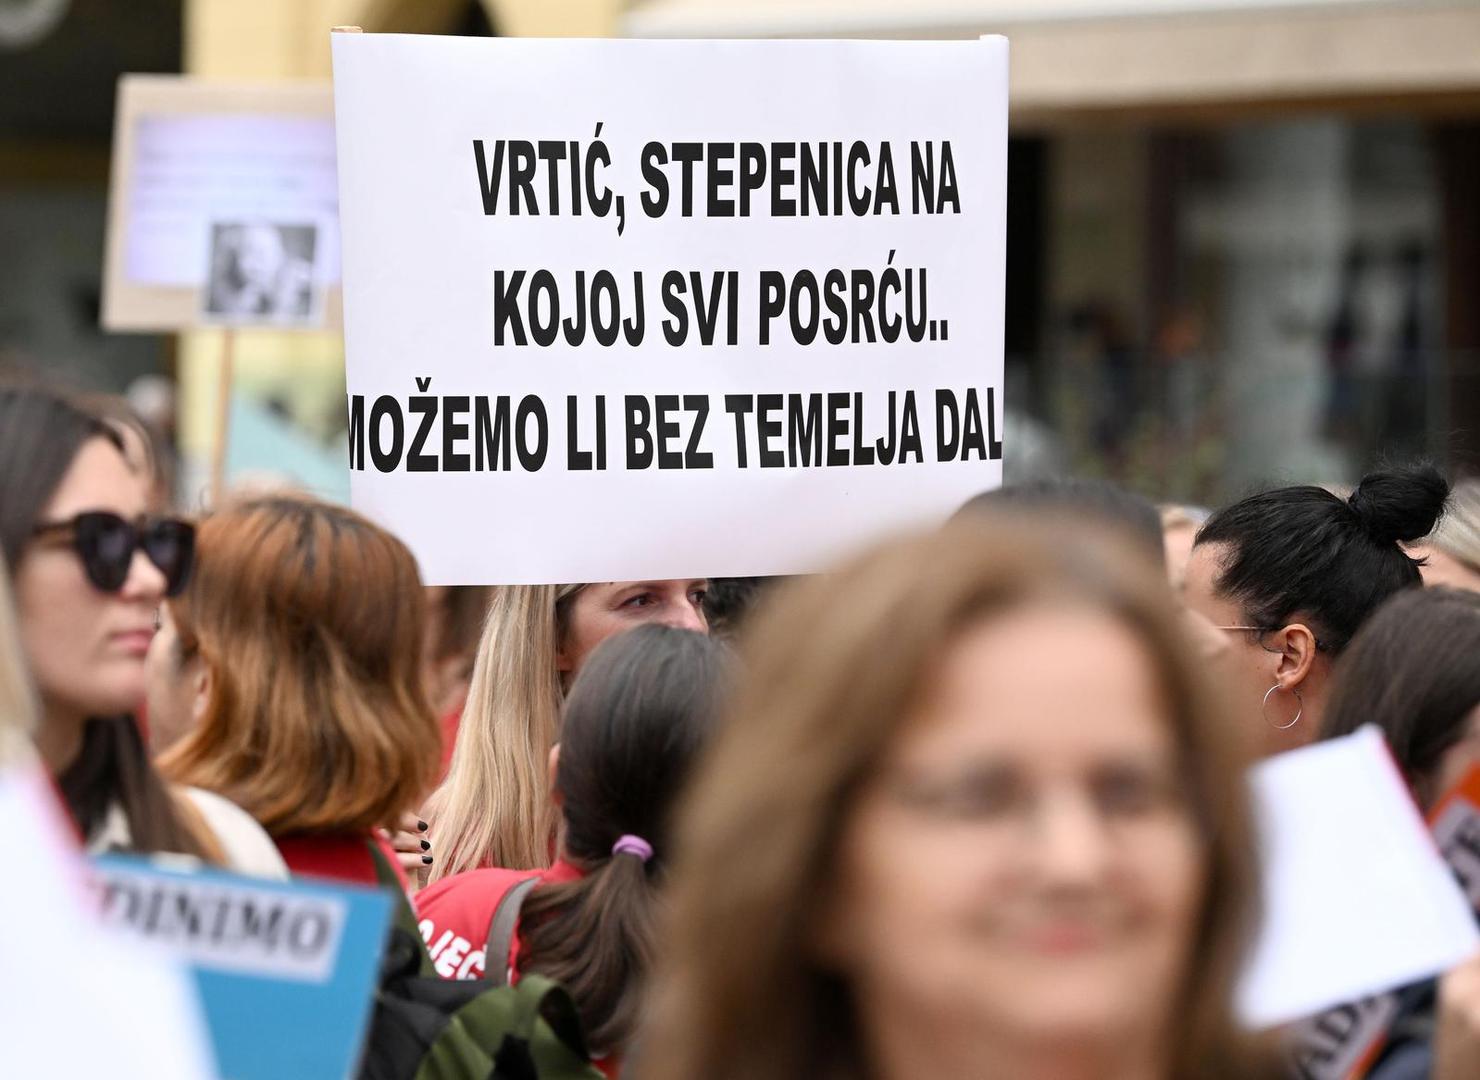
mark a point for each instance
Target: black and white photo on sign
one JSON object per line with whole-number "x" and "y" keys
{"x": 263, "y": 272}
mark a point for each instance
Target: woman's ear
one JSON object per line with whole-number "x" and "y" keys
{"x": 1297, "y": 648}
{"x": 553, "y": 769}
{"x": 202, "y": 685}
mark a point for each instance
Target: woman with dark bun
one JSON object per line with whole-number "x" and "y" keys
{"x": 1291, "y": 574}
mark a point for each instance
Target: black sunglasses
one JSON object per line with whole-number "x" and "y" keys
{"x": 106, "y": 544}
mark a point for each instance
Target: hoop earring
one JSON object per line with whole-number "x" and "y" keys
{"x": 1264, "y": 709}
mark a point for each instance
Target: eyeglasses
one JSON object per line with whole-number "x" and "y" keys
{"x": 1265, "y": 630}
{"x": 106, "y": 544}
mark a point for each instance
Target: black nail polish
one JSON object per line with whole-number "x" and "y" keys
{"x": 427, "y": 859}
{"x": 425, "y": 846}
{"x": 421, "y": 826}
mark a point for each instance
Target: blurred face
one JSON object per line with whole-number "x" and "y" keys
{"x": 1024, "y": 861}
{"x": 259, "y": 255}
{"x": 605, "y": 608}
{"x": 175, "y": 688}
{"x": 86, "y": 648}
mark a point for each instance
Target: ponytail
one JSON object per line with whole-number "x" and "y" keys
{"x": 596, "y": 937}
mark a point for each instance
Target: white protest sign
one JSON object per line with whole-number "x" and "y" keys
{"x": 223, "y": 207}
{"x": 1356, "y": 898}
{"x": 631, "y": 309}
{"x": 79, "y": 999}
{"x": 227, "y": 925}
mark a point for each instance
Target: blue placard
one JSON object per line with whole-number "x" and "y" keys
{"x": 285, "y": 970}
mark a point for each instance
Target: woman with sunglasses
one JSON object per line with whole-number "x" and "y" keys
{"x": 1291, "y": 574}
{"x": 89, "y": 571}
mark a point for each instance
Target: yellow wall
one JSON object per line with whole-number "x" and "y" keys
{"x": 271, "y": 40}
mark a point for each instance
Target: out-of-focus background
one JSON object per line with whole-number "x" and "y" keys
{"x": 1244, "y": 235}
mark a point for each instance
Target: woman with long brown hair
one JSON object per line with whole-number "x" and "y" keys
{"x": 975, "y": 814}
{"x": 1411, "y": 671}
{"x": 292, "y": 665}
{"x": 89, "y": 567}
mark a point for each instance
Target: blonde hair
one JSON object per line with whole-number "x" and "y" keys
{"x": 1458, "y": 534}
{"x": 832, "y": 669}
{"x": 493, "y": 809}
{"x": 17, "y": 698}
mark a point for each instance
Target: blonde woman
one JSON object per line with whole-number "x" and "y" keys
{"x": 493, "y": 809}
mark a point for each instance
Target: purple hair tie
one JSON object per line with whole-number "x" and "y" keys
{"x": 633, "y": 845}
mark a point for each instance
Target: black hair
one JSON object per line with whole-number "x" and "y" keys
{"x": 1099, "y": 500}
{"x": 1333, "y": 561}
{"x": 729, "y": 602}
{"x": 635, "y": 721}
{"x": 1412, "y": 671}
{"x": 41, "y": 432}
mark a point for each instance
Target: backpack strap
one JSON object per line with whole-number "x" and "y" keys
{"x": 501, "y": 931}
{"x": 402, "y": 914}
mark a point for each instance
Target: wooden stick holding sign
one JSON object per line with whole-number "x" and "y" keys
{"x": 225, "y": 377}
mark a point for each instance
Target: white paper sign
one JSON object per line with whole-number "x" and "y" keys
{"x": 193, "y": 171}
{"x": 1357, "y": 899}
{"x": 78, "y": 999}
{"x": 629, "y": 309}
{"x": 226, "y": 925}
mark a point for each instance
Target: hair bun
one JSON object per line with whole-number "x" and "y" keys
{"x": 1400, "y": 504}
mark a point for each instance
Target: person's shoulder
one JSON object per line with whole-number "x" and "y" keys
{"x": 470, "y": 889}
{"x": 245, "y": 844}
{"x": 454, "y": 916}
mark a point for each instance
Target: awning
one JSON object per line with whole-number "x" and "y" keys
{"x": 1076, "y": 56}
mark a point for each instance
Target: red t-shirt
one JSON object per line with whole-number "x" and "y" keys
{"x": 337, "y": 856}
{"x": 454, "y": 916}
{"x": 449, "y": 724}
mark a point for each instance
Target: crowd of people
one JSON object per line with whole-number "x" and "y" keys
{"x": 971, "y": 805}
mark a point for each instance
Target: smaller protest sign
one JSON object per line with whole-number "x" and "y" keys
{"x": 285, "y": 971}
{"x": 221, "y": 195}
{"x": 1345, "y": 1042}
{"x": 1356, "y": 898}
